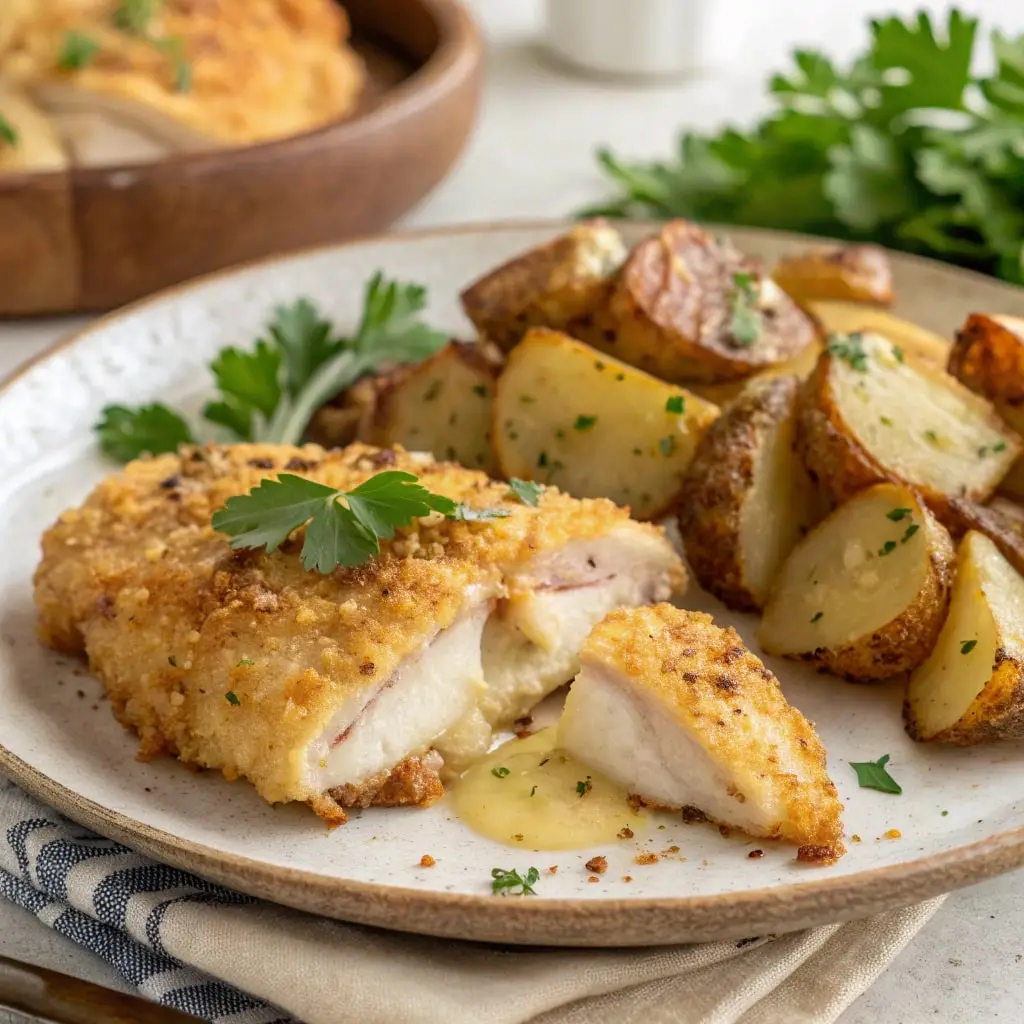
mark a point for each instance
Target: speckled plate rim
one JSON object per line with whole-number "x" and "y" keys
{"x": 534, "y": 922}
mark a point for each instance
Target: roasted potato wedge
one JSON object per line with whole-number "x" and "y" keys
{"x": 847, "y": 273}
{"x": 988, "y": 357}
{"x": 442, "y": 405}
{"x": 747, "y": 498}
{"x": 866, "y": 415}
{"x": 567, "y": 415}
{"x": 689, "y": 308}
{"x": 557, "y": 285}
{"x": 917, "y": 344}
{"x": 1000, "y": 520}
{"x": 971, "y": 689}
{"x": 865, "y": 593}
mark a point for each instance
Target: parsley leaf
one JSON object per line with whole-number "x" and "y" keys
{"x": 7, "y": 133}
{"x": 270, "y": 393}
{"x": 849, "y": 348}
{"x": 77, "y": 51}
{"x": 873, "y": 775}
{"x": 232, "y": 698}
{"x": 525, "y": 490}
{"x": 902, "y": 146}
{"x": 134, "y": 16}
{"x": 344, "y": 527}
{"x": 676, "y": 405}
{"x": 584, "y": 422}
{"x": 966, "y": 646}
{"x": 125, "y": 434}
{"x": 500, "y": 772}
{"x": 249, "y": 385}
{"x": 504, "y": 881}
{"x": 745, "y": 320}
{"x": 899, "y": 513}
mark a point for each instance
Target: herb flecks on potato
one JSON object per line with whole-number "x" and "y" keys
{"x": 747, "y": 499}
{"x": 559, "y": 285}
{"x": 568, "y": 415}
{"x": 442, "y": 406}
{"x": 864, "y": 595}
{"x": 852, "y": 273}
{"x": 688, "y": 307}
{"x": 971, "y": 688}
{"x": 868, "y": 415}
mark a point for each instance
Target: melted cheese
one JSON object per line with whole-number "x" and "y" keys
{"x": 537, "y": 804}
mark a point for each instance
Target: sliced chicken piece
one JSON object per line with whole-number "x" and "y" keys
{"x": 676, "y": 710}
{"x": 532, "y": 641}
{"x": 324, "y": 689}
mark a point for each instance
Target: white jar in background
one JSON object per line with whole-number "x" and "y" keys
{"x": 638, "y": 39}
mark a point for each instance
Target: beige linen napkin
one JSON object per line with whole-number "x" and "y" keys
{"x": 230, "y": 959}
{"x": 326, "y": 973}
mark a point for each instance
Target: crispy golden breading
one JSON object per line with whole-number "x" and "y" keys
{"x": 678, "y": 666}
{"x": 672, "y": 309}
{"x": 258, "y": 69}
{"x": 173, "y": 621}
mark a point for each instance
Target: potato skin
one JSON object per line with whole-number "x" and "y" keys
{"x": 988, "y": 357}
{"x": 669, "y": 313}
{"x": 996, "y": 714}
{"x": 558, "y": 285}
{"x": 1001, "y": 521}
{"x": 851, "y": 273}
{"x": 718, "y": 482}
{"x": 831, "y": 454}
{"x": 903, "y": 643}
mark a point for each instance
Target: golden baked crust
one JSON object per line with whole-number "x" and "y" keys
{"x": 704, "y": 676}
{"x": 173, "y": 620}
{"x": 259, "y": 69}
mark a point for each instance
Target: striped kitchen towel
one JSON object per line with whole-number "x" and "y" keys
{"x": 230, "y": 959}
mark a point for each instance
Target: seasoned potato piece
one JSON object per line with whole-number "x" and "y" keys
{"x": 567, "y": 415}
{"x": 801, "y": 367}
{"x": 867, "y": 415}
{"x": 442, "y": 406}
{"x": 689, "y": 308}
{"x": 852, "y": 273}
{"x": 1000, "y": 520}
{"x": 988, "y": 356}
{"x": 864, "y": 594}
{"x": 557, "y": 285}
{"x": 747, "y": 498}
{"x": 917, "y": 344}
{"x": 971, "y": 689}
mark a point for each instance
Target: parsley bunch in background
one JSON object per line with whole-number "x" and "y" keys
{"x": 270, "y": 392}
{"x": 905, "y": 147}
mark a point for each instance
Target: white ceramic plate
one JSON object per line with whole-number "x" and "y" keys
{"x": 960, "y": 816}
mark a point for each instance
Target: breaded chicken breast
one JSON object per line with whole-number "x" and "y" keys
{"x": 329, "y": 689}
{"x": 676, "y": 710}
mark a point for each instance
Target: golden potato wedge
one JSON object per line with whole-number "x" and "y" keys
{"x": 747, "y": 498}
{"x": 917, "y": 344}
{"x": 865, "y": 593}
{"x": 971, "y": 689}
{"x": 988, "y": 357}
{"x": 801, "y": 367}
{"x": 567, "y": 415}
{"x": 847, "y": 273}
{"x": 557, "y": 285}
{"x": 1000, "y": 520}
{"x": 689, "y": 308}
{"x": 866, "y": 415}
{"x": 442, "y": 405}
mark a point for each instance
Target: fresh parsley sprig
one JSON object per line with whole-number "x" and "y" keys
{"x": 269, "y": 393}
{"x": 745, "y": 321}
{"x": 344, "y": 527}
{"x": 8, "y": 134}
{"x": 873, "y": 775}
{"x": 77, "y": 51}
{"x": 504, "y": 882}
{"x": 904, "y": 147}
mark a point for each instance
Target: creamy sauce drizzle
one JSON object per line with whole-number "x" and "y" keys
{"x": 537, "y": 805}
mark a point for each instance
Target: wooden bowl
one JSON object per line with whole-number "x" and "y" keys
{"x": 94, "y": 238}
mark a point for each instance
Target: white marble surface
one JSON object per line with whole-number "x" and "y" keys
{"x": 531, "y": 157}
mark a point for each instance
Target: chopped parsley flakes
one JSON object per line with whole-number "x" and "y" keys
{"x": 584, "y": 422}
{"x": 849, "y": 348}
{"x": 500, "y": 772}
{"x": 966, "y": 646}
{"x": 505, "y": 881}
{"x": 232, "y": 698}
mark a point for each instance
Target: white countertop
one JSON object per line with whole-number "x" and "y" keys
{"x": 532, "y": 157}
